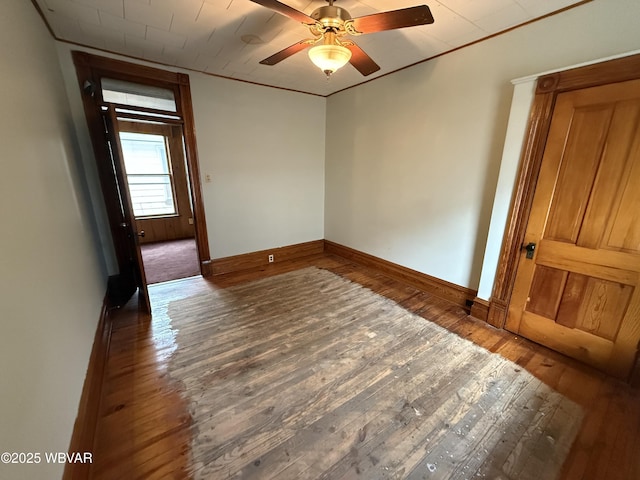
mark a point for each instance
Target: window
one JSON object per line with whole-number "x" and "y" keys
{"x": 149, "y": 174}
{"x": 138, "y": 95}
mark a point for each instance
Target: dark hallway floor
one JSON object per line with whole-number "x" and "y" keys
{"x": 164, "y": 261}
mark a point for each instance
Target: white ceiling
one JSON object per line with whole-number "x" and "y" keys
{"x": 206, "y": 35}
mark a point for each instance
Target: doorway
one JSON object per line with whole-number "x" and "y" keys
{"x": 157, "y": 178}
{"x": 570, "y": 267}
{"x": 129, "y": 106}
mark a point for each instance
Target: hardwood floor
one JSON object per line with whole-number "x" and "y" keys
{"x": 143, "y": 429}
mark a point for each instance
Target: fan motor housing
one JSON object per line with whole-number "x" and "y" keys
{"x": 331, "y": 16}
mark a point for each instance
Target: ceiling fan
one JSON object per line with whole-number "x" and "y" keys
{"x": 330, "y": 25}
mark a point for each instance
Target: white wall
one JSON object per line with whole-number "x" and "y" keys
{"x": 413, "y": 158}
{"x": 264, "y": 151}
{"x": 514, "y": 142}
{"x": 51, "y": 280}
{"x": 90, "y": 169}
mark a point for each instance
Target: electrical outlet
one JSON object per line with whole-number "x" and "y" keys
{"x": 270, "y": 258}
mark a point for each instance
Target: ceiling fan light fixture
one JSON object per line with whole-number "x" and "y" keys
{"x": 330, "y": 56}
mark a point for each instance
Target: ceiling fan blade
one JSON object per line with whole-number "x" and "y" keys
{"x": 286, "y": 53}
{"x": 286, "y": 10}
{"x": 405, "y": 17}
{"x": 360, "y": 60}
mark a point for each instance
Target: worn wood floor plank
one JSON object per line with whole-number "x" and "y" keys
{"x": 145, "y": 429}
{"x": 370, "y": 337}
{"x": 355, "y": 418}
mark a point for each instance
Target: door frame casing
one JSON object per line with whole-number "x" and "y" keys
{"x": 91, "y": 68}
{"x": 547, "y": 89}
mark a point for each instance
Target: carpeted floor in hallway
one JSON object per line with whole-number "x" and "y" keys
{"x": 164, "y": 261}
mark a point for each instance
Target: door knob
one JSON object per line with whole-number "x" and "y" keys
{"x": 530, "y": 248}
{"x": 141, "y": 233}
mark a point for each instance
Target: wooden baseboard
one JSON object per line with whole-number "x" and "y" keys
{"x": 84, "y": 429}
{"x": 480, "y": 309}
{"x": 440, "y": 288}
{"x": 258, "y": 259}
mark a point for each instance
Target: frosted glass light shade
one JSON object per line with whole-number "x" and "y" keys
{"x": 329, "y": 58}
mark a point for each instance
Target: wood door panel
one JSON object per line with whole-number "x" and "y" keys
{"x": 611, "y": 178}
{"x": 167, "y": 228}
{"x": 603, "y": 308}
{"x": 593, "y": 305}
{"x": 625, "y": 230}
{"x": 579, "y": 165}
{"x": 578, "y": 301}
{"x": 572, "y": 298}
{"x": 625, "y": 348}
{"x": 579, "y": 293}
{"x": 546, "y": 291}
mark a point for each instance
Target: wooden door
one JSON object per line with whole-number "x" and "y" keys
{"x": 579, "y": 293}
{"x": 128, "y": 223}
